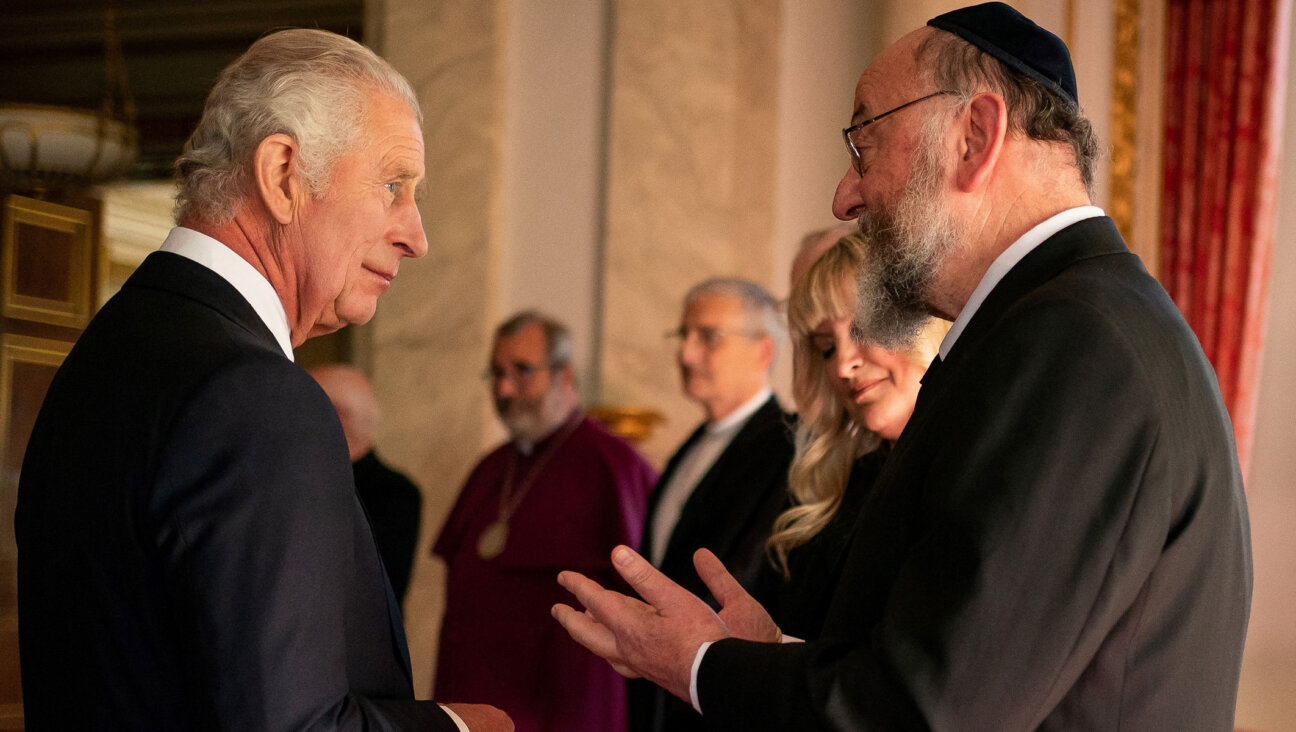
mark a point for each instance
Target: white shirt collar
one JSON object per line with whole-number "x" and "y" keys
{"x": 237, "y": 271}
{"x": 739, "y": 415}
{"x": 1009, "y": 259}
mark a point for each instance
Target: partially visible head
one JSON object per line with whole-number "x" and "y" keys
{"x": 728, "y": 340}
{"x": 839, "y": 381}
{"x": 357, "y": 407}
{"x": 814, "y": 244}
{"x": 919, "y": 187}
{"x": 531, "y": 375}
{"x": 310, "y": 148}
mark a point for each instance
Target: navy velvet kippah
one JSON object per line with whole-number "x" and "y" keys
{"x": 1014, "y": 39}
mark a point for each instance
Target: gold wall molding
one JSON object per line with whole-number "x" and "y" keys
{"x": 1137, "y": 130}
{"x": 39, "y": 237}
{"x": 1125, "y": 89}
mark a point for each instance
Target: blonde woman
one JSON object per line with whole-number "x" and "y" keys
{"x": 854, "y": 399}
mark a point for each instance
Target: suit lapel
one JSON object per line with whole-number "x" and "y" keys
{"x": 722, "y": 488}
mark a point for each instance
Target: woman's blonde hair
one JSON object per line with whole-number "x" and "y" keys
{"x": 828, "y": 442}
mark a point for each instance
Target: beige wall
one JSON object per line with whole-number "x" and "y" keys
{"x": 431, "y": 329}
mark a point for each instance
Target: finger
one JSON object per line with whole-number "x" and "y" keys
{"x": 608, "y": 606}
{"x": 587, "y": 631}
{"x": 722, "y": 585}
{"x": 651, "y": 584}
{"x": 618, "y": 664}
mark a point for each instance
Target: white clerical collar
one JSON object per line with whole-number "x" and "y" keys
{"x": 1009, "y": 259}
{"x": 237, "y": 271}
{"x": 739, "y": 415}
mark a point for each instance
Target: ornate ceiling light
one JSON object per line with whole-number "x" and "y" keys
{"x": 46, "y": 148}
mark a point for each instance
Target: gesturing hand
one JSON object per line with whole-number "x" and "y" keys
{"x": 660, "y": 638}
{"x": 657, "y": 639}
{"x": 742, "y": 615}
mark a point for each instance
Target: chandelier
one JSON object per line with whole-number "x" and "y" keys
{"x": 46, "y": 147}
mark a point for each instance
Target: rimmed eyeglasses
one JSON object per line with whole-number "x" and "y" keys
{"x": 847, "y": 133}
{"x": 519, "y": 373}
{"x": 709, "y": 337}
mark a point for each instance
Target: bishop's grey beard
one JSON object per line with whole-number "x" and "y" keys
{"x": 906, "y": 243}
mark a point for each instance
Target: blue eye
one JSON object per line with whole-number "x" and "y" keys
{"x": 391, "y": 187}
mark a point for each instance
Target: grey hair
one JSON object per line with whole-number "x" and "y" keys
{"x": 311, "y": 85}
{"x": 1033, "y": 110}
{"x": 760, "y": 309}
{"x": 558, "y": 339}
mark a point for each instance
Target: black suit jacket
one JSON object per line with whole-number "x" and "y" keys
{"x": 192, "y": 552}
{"x": 799, "y": 603}
{"x": 730, "y": 512}
{"x": 1058, "y": 541}
{"x": 394, "y": 506}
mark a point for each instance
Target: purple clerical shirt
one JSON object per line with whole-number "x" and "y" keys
{"x": 499, "y": 644}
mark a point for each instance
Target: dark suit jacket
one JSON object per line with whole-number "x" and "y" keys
{"x": 192, "y": 552}
{"x": 1058, "y": 541}
{"x": 730, "y": 512}
{"x": 799, "y": 603}
{"x": 393, "y": 505}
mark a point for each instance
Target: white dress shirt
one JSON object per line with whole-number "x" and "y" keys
{"x": 236, "y": 270}
{"x": 692, "y": 467}
{"x": 996, "y": 272}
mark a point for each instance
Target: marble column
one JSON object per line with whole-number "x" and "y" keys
{"x": 690, "y": 182}
{"x": 426, "y": 342}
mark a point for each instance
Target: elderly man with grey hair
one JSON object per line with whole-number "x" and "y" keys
{"x": 193, "y": 555}
{"x": 725, "y": 485}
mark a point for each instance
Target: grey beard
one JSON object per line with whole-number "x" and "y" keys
{"x": 534, "y": 421}
{"x": 905, "y": 247}
{"x": 889, "y": 309}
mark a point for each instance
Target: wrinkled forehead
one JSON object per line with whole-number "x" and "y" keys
{"x": 892, "y": 78}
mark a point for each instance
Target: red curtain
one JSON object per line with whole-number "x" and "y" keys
{"x": 1225, "y": 81}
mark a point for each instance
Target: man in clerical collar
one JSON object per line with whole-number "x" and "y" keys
{"x": 562, "y": 490}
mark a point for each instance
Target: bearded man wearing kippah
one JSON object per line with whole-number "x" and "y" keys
{"x": 1059, "y": 539}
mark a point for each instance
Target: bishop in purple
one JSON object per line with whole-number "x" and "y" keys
{"x": 560, "y": 494}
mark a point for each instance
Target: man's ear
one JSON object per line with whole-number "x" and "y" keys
{"x": 767, "y": 351}
{"x": 276, "y": 182}
{"x": 567, "y": 375}
{"x": 984, "y": 127}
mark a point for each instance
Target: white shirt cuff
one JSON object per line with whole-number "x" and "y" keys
{"x": 458, "y": 722}
{"x": 693, "y": 673}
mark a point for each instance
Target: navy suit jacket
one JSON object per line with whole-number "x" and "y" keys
{"x": 1059, "y": 540}
{"x": 192, "y": 552}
